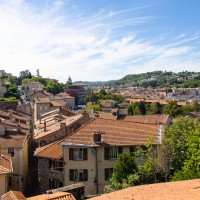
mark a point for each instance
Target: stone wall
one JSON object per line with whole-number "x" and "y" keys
{"x": 44, "y": 174}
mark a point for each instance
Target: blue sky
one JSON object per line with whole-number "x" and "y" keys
{"x": 98, "y": 40}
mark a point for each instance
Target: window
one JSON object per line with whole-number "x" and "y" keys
{"x": 108, "y": 173}
{"x": 78, "y": 174}
{"x": 40, "y": 107}
{"x": 56, "y": 165}
{"x": 45, "y": 108}
{"x": 77, "y": 153}
{"x": 11, "y": 151}
{"x": 55, "y": 183}
{"x": 112, "y": 152}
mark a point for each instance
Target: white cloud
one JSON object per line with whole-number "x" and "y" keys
{"x": 86, "y": 47}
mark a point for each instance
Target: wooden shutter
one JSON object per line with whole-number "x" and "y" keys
{"x": 106, "y": 174}
{"x": 120, "y": 150}
{"x": 106, "y": 153}
{"x": 85, "y": 154}
{"x": 71, "y": 175}
{"x": 85, "y": 175}
{"x": 71, "y": 154}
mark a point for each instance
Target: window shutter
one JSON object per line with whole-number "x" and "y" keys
{"x": 132, "y": 150}
{"x": 85, "y": 154}
{"x": 106, "y": 174}
{"x": 106, "y": 153}
{"x": 85, "y": 172}
{"x": 120, "y": 150}
{"x": 71, "y": 175}
{"x": 71, "y": 154}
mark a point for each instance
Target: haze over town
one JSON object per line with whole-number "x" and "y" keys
{"x": 98, "y": 40}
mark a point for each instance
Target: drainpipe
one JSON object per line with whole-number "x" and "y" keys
{"x": 96, "y": 166}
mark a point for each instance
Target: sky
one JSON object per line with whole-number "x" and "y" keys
{"x": 99, "y": 40}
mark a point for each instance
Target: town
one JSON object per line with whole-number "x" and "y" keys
{"x": 77, "y": 141}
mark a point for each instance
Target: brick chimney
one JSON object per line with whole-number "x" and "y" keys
{"x": 96, "y": 137}
{"x": 63, "y": 127}
{"x": 45, "y": 126}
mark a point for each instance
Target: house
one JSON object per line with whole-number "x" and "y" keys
{"x": 49, "y": 133}
{"x": 5, "y": 170}
{"x": 44, "y": 105}
{"x": 14, "y": 142}
{"x": 50, "y": 166}
{"x": 30, "y": 86}
{"x": 38, "y": 93}
{"x": 180, "y": 190}
{"x": 52, "y": 127}
{"x": 67, "y": 98}
{"x": 80, "y": 91}
{"x": 91, "y": 152}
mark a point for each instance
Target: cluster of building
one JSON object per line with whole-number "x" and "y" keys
{"x": 75, "y": 153}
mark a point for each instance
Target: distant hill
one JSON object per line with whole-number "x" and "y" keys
{"x": 154, "y": 79}
{"x": 161, "y": 79}
{"x": 95, "y": 84}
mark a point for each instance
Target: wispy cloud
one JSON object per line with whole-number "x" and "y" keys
{"x": 61, "y": 41}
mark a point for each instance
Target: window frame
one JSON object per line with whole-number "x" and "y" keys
{"x": 113, "y": 153}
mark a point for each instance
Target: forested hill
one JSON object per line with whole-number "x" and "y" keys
{"x": 162, "y": 79}
{"x": 153, "y": 79}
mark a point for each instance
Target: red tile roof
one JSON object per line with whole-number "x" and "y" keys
{"x": 53, "y": 150}
{"x": 56, "y": 196}
{"x": 116, "y": 133}
{"x": 13, "y": 195}
{"x": 180, "y": 190}
{"x": 146, "y": 119}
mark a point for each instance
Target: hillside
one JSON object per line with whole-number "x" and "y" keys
{"x": 162, "y": 79}
{"x": 154, "y": 79}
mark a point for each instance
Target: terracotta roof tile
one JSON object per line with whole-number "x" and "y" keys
{"x": 180, "y": 190}
{"x": 53, "y": 150}
{"x": 56, "y": 196}
{"x": 116, "y": 133}
{"x": 12, "y": 140}
{"x": 146, "y": 119}
{"x": 13, "y": 195}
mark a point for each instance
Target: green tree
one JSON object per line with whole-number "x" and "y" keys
{"x": 3, "y": 75}
{"x": 124, "y": 168}
{"x": 182, "y": 140}
{"x": 69, "y": 82}
{"x": 154, "y": 108}
{"x": 96, "y": 107}
{"x": 172, "y": 109}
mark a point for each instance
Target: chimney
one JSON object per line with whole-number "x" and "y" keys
{"x": 39, "y": 120}
{"x": 63, "y": 127}
{"x": 18, "y": 128}
{"x": 2, "y": 129}
{"x": 45, "y": 126}
{"x": 96, "y": 137}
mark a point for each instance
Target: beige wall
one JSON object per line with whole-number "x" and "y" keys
{"x": 3, "y": 184}
{"x": 20, "y": 167}
{"x": 90, "y": 164}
